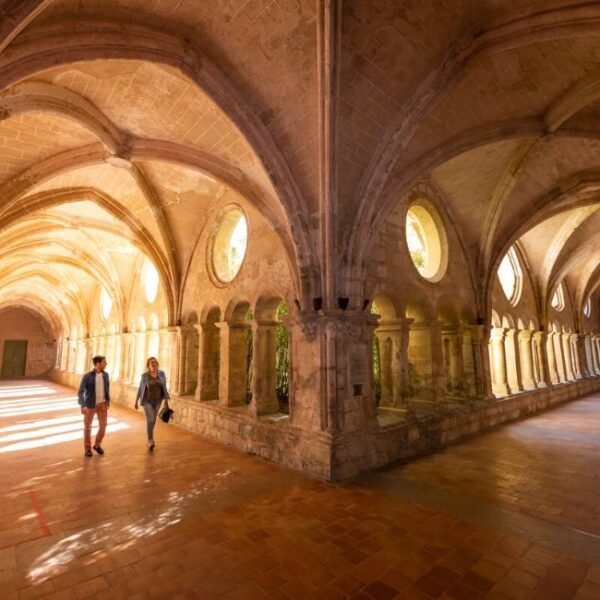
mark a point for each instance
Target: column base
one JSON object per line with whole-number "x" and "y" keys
{"x": 259, "y": 407}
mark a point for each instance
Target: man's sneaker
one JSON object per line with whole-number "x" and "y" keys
{"x": 151, "y": 445}
{"x": 88, "y": 452}
{"x": 98, "y": 449}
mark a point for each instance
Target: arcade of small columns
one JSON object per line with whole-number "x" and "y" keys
{"x": 456, "y": 363}
{"x": 191, "y": 356}
{"x": 424, "y": 365}
{"x": 524, "y": 359}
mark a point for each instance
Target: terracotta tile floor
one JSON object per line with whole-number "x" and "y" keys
{"x": 512, "y": 514}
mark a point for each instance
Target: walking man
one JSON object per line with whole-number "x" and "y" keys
{"x": 94, "y": 399}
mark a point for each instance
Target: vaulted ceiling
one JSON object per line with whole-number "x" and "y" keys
{"x": 122, "y": 121}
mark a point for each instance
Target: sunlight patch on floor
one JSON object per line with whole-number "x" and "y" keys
{"x": 107, "y": 537}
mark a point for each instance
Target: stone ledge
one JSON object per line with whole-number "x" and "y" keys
{"x": 417, "y": 437}
{"x": 345, "y": 456}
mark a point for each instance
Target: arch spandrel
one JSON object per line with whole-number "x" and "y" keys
{"x": 110, "y": 43}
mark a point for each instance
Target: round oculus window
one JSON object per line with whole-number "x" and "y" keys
{"x": 426, "y": 240}
{"x": 229, "y": 245}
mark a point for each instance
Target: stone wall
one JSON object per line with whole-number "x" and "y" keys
{"x": 277, "y": 440}
{"x": 20, "y": 324}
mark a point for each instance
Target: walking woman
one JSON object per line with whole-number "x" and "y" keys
{"x": 152, "y": 391}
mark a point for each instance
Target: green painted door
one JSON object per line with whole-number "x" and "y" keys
{"x": 14, "y": 358}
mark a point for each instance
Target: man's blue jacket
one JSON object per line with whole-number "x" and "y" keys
{"x": 87, "y": 390}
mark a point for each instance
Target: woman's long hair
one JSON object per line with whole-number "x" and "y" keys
{"x": 148, "y": 362}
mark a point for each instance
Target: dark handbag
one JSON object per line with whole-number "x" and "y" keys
{"x": 166, "y": 413}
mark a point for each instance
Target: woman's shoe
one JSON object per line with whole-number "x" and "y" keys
{"x": 151, "y": 445}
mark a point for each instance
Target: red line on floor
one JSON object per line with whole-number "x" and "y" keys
{"x": 38, "y": 509}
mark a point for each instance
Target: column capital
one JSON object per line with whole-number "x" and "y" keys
{"x": 400, "y": 325}
{"x": 525, "y": 335}
{"x": 345, "y": 322}
{"x": 497, "y": 334}
{"x": 453, "y": 328}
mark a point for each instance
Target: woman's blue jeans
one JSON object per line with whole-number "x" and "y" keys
{"x": 151, "y": 411}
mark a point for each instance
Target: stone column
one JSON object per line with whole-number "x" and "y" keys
{"x": 437, "y": 365}
{"x": 561, "y": 363}
{"x": 499, "y": 381}
{"x": 188, "y": 359}
{"x": 552, "y": 362}
{"x": 140, "y": 355}
{"x": 513, "y": 362}
{"x": 64, "y": 358}
{"x": 596, "y": 353}
{"x": 525, "y": 354}
{"x": 168, "y": 354}
{"x": 109, "y": 349}
{"x": 126, "y": 349}
{"x": 578, "y": 366}
{"x": 426, "y": 356}
{"x": 58, "y": 355}
{"x": 568, "y": 359}
{"x": 394, "y": 368}
{"x": 589, "y": 361}
{"x": 209, "y": 361}
{"x": 89, "y": 353}
{"x": 481, "y": 361}
{"x": 132, "y": 359}
{"x": 68, "y": 354}
{"x": 454, "y": 360}
{"x": 337, "y": 398}
{"x": 233, "y": 377}
{"x": 540, "y": 341}
{"x": 264, "y": 375}
{"x": 386, "y": 380}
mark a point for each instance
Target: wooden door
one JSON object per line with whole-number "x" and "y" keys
{"x": 14, "y": 359}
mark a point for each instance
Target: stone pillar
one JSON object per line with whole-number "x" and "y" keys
{"x": 437, "y": 364}
{"x": 513, "y": 361}
{"x": 452, "y": 336}
{"x": 89, "y": 354}
{"x": 109, "y": 349}
{"x": 481, "y": 361}
{"x": 499, "y": 381}
{"x": 561, "y": 363}
{"x": 426, "y": 356}
{"x": 68, "y": 354}
{"x": 187, "y": 344}
{"x": 589, "y": 362}
{"x": 132, "y": 359}
{"x": 336, "y": 398}
{"x": 139, "y": 364}
{"x": 394, "y": 362}
{"x": 126, "y": 350}
{"x": 233, "y": 377}
{"x": 540, "y": 341}
{"x": 596, "y": 353}
{"x": 578, "y": 366}
{"x": 209, "y": 360}
{"x": 568, "y": 359}
{"x": 552, "y": 362}
{"x": 526, "y": 359}
{"x": 168, "y": 354}
{"x": 58, "y": 355}
{"x": 65, "y": 354}
{"x": 264, "y": 375}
